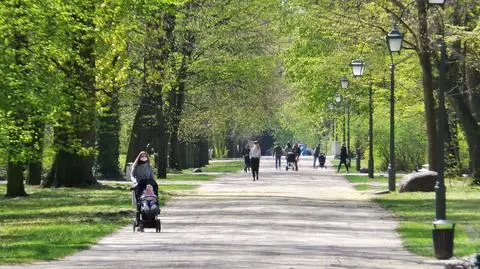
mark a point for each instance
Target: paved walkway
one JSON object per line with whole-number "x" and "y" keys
{"x": 305, "y": 219}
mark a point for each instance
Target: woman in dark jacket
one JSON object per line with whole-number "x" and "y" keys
{"x": 343, "y": 158}
{"x": 142, "y": 174}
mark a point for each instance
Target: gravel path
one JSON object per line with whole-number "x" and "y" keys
{"x": 306, "y": 219}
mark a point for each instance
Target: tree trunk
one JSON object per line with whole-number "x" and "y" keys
{"x": 109, "y": 140}
{"x": 34, "y": 173}
{"x": 75, "y": 136}
{"x": 73, "y": 170}
{"x": 203, "y": 152}
{"x": 142, "y": 131}
{"x": 163, "y": 138}
{"x": 429, "y": 102}
{"x": 37, "y": 146}
{"x": 15, "y": 187}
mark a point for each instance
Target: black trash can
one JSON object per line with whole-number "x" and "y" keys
{"x": 443, "y": 233}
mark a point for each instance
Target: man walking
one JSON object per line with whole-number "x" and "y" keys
{"x": 277, "y": 153}
{"x": 343, "y": 158}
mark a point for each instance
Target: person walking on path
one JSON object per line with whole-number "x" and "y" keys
{"x": 316, "y": 153}
{"x": 277, "y": 153}
{"x": 296, "y": 151}
{"x": 343, "y": 158}
{"x": 141, "y": 176}
{"x": 246, "y": 158}
{"x": 255, "y": 154}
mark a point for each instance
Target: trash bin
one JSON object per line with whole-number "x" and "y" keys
{"x": 443, "y": 233}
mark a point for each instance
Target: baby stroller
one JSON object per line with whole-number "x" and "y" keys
{"x": 148, "y": 212}
{"x": 290, "y": 161}
{"x": 321, "y": 160}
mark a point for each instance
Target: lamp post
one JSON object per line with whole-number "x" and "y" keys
{"x": 357, "y": 70}
{"x": 440, "y": 197}
{"x": 344, "y": 85}
{"x": 394, "y": 40}
{"x": 338, "y": 99}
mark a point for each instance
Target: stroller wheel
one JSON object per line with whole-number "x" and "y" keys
{"x": 158, "y": 226}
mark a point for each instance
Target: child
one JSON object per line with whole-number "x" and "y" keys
{"x": 148, "y": 198}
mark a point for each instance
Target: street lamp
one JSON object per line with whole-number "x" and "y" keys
{"x": 338, "y": 99}
{"x": 436, "y": 2}
{"x": 344, "y": 85}
{"x": 344, "y": 82}
{"x": 394, "y": 40}
{"x": 440, "y": 197}
{"x": 357, "y": 70}
{"x": 442, "y": 236}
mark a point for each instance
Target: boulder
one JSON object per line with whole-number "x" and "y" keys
{"x": 363, "y": 170}
{"x": 419, "y": 181}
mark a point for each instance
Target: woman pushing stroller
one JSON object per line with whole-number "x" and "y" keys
{"x": 142, "y": 175}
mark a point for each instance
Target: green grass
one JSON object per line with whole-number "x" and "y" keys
{"x": 189, "y": 177}
{"x": 363, "y": 183}
{"x": 221, "y": 167}
{"x": 52, "y": 223}
{"x": 353, "y": 164}
{"x": 416, "y": 211}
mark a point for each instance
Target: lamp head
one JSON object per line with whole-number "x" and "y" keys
{"x": 357, "y": 68}
{"x": 394, "y": 40}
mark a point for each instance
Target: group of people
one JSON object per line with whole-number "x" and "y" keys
{"x": 292, "y": 155}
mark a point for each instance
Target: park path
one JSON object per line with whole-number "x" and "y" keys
{"x": 306, "y": 219}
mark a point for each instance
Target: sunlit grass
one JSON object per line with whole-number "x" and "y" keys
{"x": 416, "y": 212}
{"x": 52, "y": 223}
{"x": 221, "y": 167}
{"x": 188, "y": 177}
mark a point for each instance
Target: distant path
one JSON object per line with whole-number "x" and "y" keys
{"x": 306, "y": 219}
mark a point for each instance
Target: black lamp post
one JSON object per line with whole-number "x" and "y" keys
{"x": 357, "y": 70}
{"x": 440, "y": 197}
{"x": 394, "y": 39}
{"x": 443, "y": 230}
{"x": 338, "y": 99}
{"x": 344, "y": 85}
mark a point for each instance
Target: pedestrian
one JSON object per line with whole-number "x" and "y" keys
{"x": 246, "y": 158}
{"x": 255, "y": 154}
{"x": 321, "y": 160}
{"x": 343, "y": 158}
{"x": 277, "y": 153}
{"x": 296, "y": 152}
{"x": 316, "y": 153}
{"x": 141, "y": 176}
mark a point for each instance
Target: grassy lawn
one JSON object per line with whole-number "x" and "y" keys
{"x": 363, "y": 183}
{"x": 221, "y": 167}
{"x": 416, "y": 211}
{"x": 52, "y": 223}
{"x": 353, "y": 164}
{"x": 189, "y": 177}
